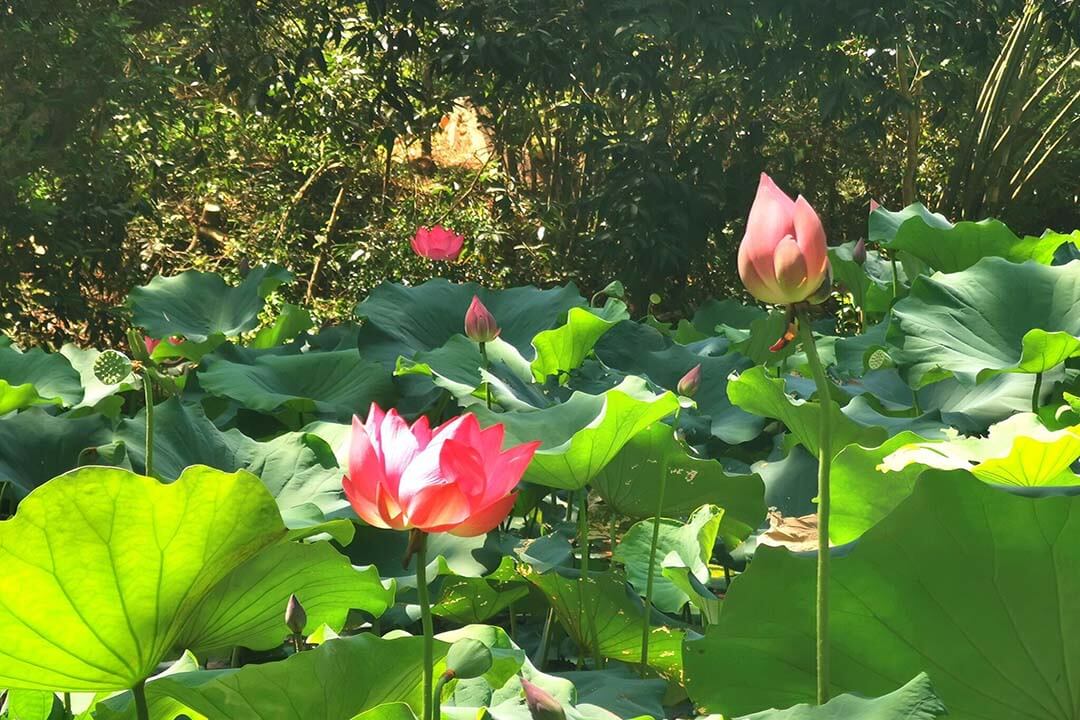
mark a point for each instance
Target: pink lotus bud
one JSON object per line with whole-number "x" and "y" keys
{"x": 542, "y": 705}
{"x": 480, "y": 324}
{"x": 295, "y": 615}
{"x": 859, "y": 253}
{"x": 151, "y": 344}
{"x": 689, "y": 383}
{"x": 783, "y": 256}
{"x": 873, "y": 205}
{"x": 437, "y": 243}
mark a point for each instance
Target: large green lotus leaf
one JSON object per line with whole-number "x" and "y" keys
{"x": 756, "y": 341}
{"x": 630, "y": 484}
{"x": 137, "y": 557}
{"x": 962, "y": 580}
{"x": 973, "y": 408}
{"x": 862, "y": 492}
{"x": 333, "y": 384}
{"x": 636, "y": 349}
{"x": 36, "y": 447}
{"x": 995, "y": 316}
{"x": 338, "y": 680}
{"x": 36, "y": 377}
{"x": 692, "y": 541}
{"x": 728, "y": 312}
{"x": 94, "y": 391}
{"x": 299, "y": 468}
{"x": 950, "y": 248}
{"x": 603, "y": 612}
{"x": 456, "y": 366}
{"x": 914, "y": 701}
{"x": 756, "y": 392}
{"x": 1018, "y": 451}
{"x": 247, "y": 608}
{"x": 401, "y": 321}
{"x": 620, "y": 690}
{"x": 583, "y": 434}
{"x": 564, "y": 348}
{"x": 473, "y": 600}
{"x": 200, "y": 306}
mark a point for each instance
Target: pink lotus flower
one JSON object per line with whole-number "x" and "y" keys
{"x": 480, "y": 324}
{"x": 437, "y": 243}
{"x": 783, "y": 257}
{"x": 152, "y": 343}
{"x": 455, "y": 478}
{"x": 689, "y": 383}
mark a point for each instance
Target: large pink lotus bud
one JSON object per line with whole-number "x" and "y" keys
{"x": 455, "y": 478}
{"x": 782, "y": 258}
{"x": 437, "y": 243}
{"x": 480, "y": 324}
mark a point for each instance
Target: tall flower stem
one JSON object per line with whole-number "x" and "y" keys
{"x": 1036, "y": 391}
{"x": 142, "y": 711}
{"x": 824, "y": 465}
{"x": 647, "y": 625}
{"x": 148, "y": 390}
{"x": 487, "y": 365}
{"x": 420, "y": 544}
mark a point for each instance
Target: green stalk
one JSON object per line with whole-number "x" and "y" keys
{"x": 895, "y": 277}
{"x": 487, "y": 365}
{"x": 148, "y": 389}
{"x": 436, "y": 701}
{"x": 1036, "y": 392}
{"x": 647, "y": 626}
{"x": 583, "y": 544}
{"x": 824, "y": 463}
{"x": 67, "y": 706}
{"x": 425, "y": 619}
{"x": 142, "y": 712}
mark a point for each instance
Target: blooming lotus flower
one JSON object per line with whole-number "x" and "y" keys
{"x": 455, "y": 478}
{"x": 480, "y": 324}
{"x": 437, "y": 243}
{"x": 782, "y": 258}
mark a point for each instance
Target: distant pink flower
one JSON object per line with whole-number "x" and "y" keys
{"x": 455, "y": 478}
{"x": 152, "y": 343}
{"x": 437, "y": 243}
{"x": 874, "y": 205}
{"x": 783, "y": 258}
{"x": 480, "y": 324}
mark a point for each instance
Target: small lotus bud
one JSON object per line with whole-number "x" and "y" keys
{"x": 467, "y": 659}
{"x": 689, "y": 383}
{"x": 874, "y": 205}
{"x": 859, "y": 253}
{"x": 542, "y": 706}
{"x": 295, "y": 615}
{"x": 480, "y": 324}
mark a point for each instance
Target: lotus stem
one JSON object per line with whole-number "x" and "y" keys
{"x": 1036, "y": 391}
{"x": 824, "y": 463}
{"x": 138, "y": 692}
{"x": 148, "y": 390}
{"x": 420, "y": 545}
{"x": 487, "y": 365}
{"x": 646, "y": 625}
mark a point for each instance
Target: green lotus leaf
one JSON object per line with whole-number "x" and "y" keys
{"x": 457, "y": 366}
{"x": 692, "y": 542}
{"x": 473, "y": 600}
{"x": 635, "y": 349}
{"x": 299, "y": 468}
{"x": 148, "y": 568}
{"x": 36, "y": 447}
{"x": 583, "y": 434}
{"x": 996, "y": 316}
{"x": 334, "y": 384}
{"x": 950, "y": 248}
{"x": 756, "y": 392}
{"x": 36, "y": 377}
{"x": 620, "y": 691}
{"x": 914, "y": 701}
{"x": 563, "y": 349}
{"x": 603, "y": 613}
{"x": 290, "y": 322}
{"x": 871, "y": 282}
{"x": 331, "y": 682}
{"x": 200, "y": 306}
{"x": 630, "y": 484}
{"x": 962, "y": 580}
{"x": 401, "y": 321}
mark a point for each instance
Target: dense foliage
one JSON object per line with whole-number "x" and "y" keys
{"x": 618, "y": 137}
